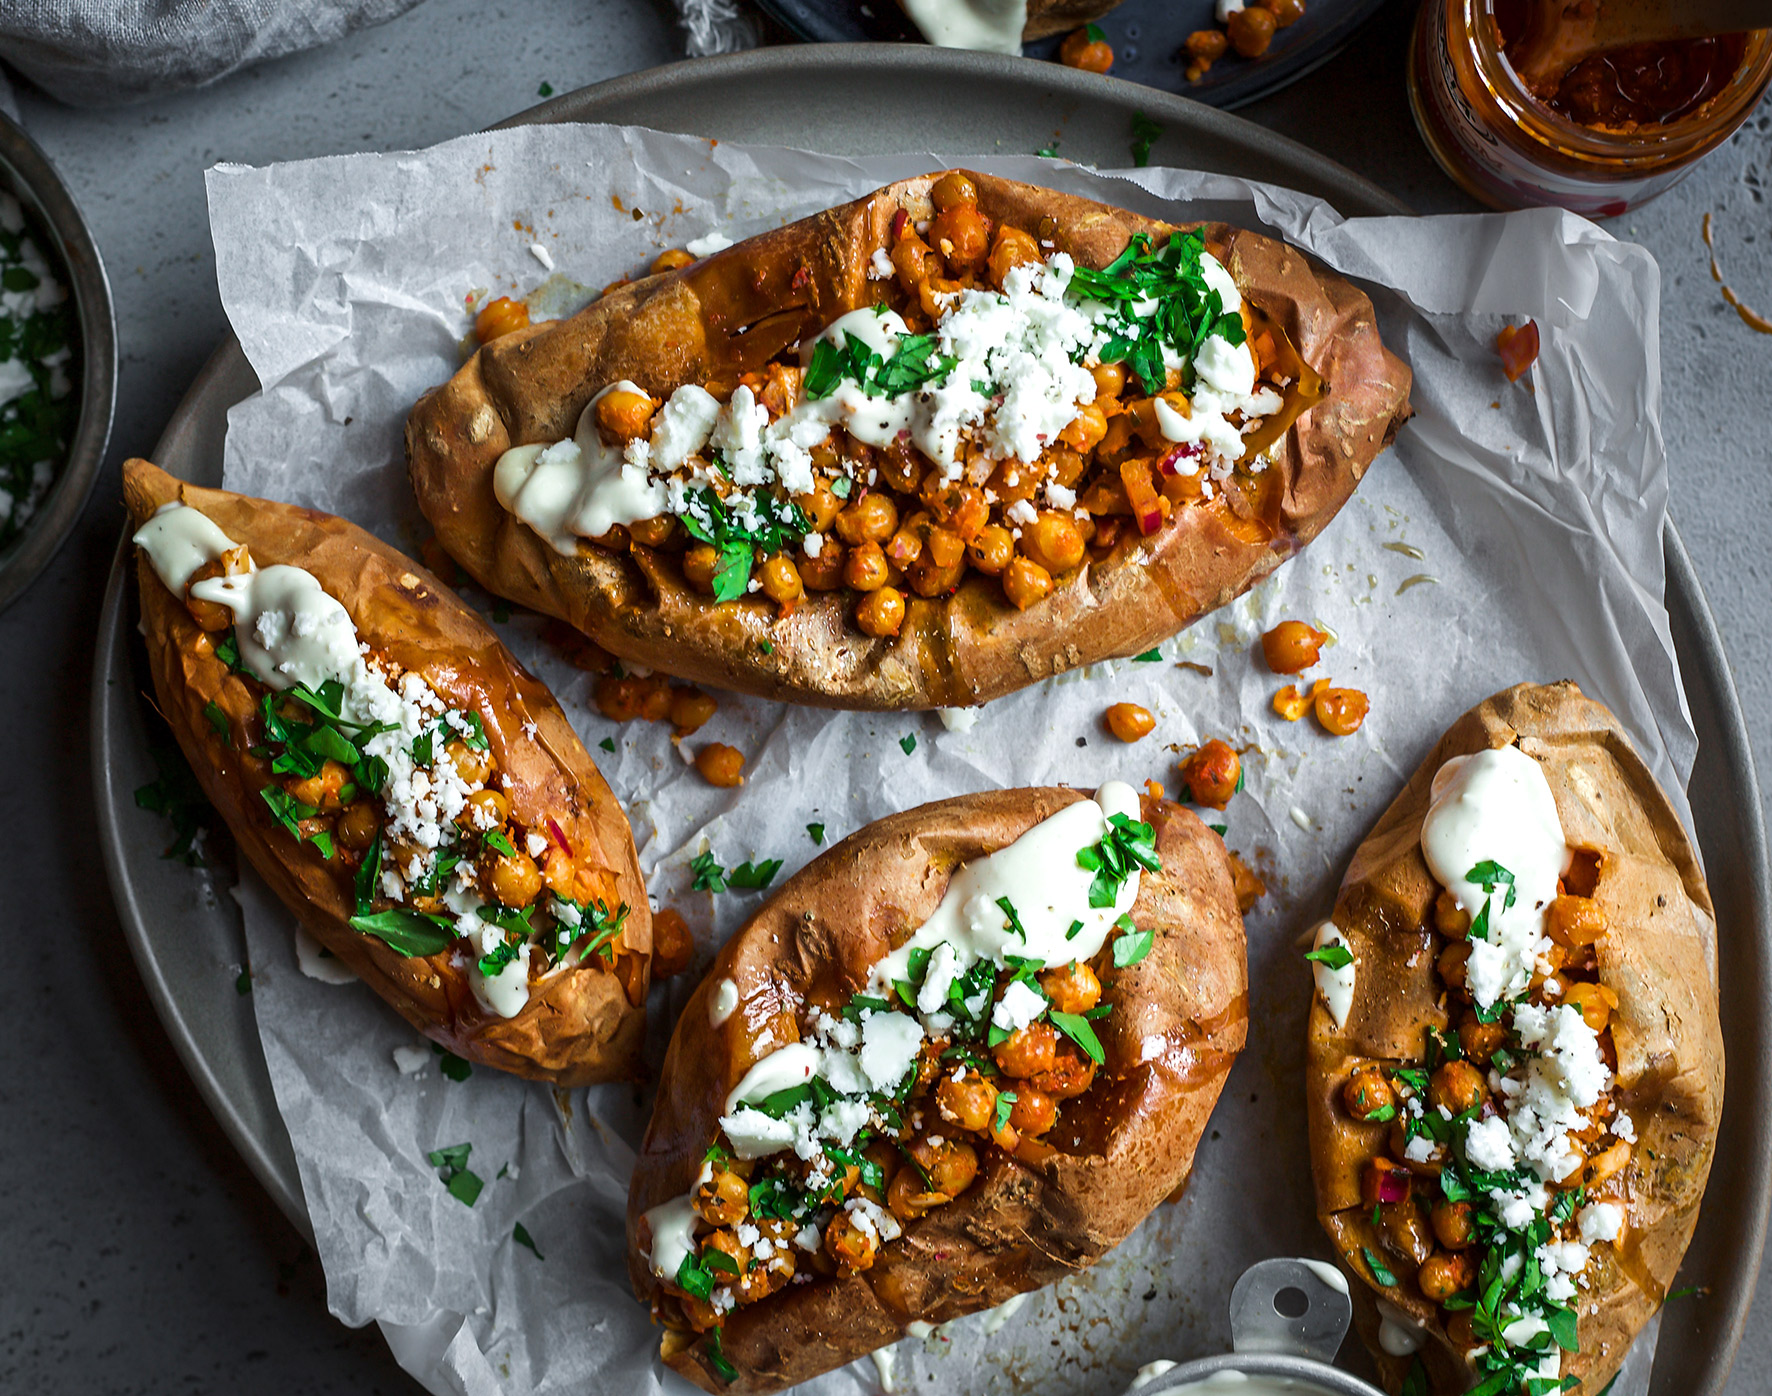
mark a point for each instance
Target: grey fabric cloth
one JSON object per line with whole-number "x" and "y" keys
{"x": 100, "y": 52}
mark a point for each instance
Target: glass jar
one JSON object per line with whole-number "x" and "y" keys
{"x": 1508, "y": 148}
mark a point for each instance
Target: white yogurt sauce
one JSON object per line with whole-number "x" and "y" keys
{"x": 1496, "y": 806}
{"x": 725, "y": 1000}
{"x": 178, "y": 540}
{"x": 1399, "y": 1333}
{"x": 673, "y": 1235}
{"x": 958, "y": 719}
{"x": 328, "y": 969}
{"x": 993, "y": 26}
{"x": 1335, "y": 985}
{"x": 1327, "y": 1273}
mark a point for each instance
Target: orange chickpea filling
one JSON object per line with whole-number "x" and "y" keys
{"x": 1212, "y": 774}
{"x": 1087, "y": 48}
{"x": 720, "y": 764}
{"x": 888, "y": 530}
{"x": 499, "y": 318}
{"x": 1129, "y": 722}
{"x": 964, "y": 1101}
{"x": 1292, "y": 646}
{"x": 1419, "y": 1231}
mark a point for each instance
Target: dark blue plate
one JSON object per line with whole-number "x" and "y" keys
{"x": 1146, "y": 34}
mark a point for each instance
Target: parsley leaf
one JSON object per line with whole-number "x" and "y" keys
{"x": 717, "y": 1359}
{"x": 1331, "y": 956}
{"x": 1127, "y": 845}
{"x": 1011, "y": 921}
{"x": 1489, "y": 875}
{"x": 752, "y": 876}
{"x": 452, "y": 1171}
{"x": 709, "y": 875}
{"x": 1144, "y": 134}
{"x": 608, "y": 744}
{"x": 1005, "y": 1103}
{"x": 1148, "y": 657}
{"x": 779, "y": 523}
{"x": 1132, "y": 947}
{"x": 815, "y": 832}
{"x": 1378, "y": 1268}
{"x": 1076, "y": 1027}
{"x": 452, "y": 1066}
{"x": 219, "y": 721}
{"x": 412, "y": 934}
{"x": 908, "y": 742}
{"x": 520, "y": 1233}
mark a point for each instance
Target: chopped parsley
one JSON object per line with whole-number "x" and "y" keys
{"x": 1144, "y": 135}
{"x": 1127, "y": 845}
{"x": 908, "y": 742}
{"x": 753, "y": 876}
{"x": 38, "y": 342}
{"x": 412, "y": 934}
{"x": 1188, "y": 310}
{"x": 1331, "y": 956}
{"x": 219, "y": 721}
{"x": 777, "y": 524}
{"x": 1005, "y": 1103}
{"x": 452, "y": 1066}
{"x": 594, "y": 920}
{"x": 545, "y": 90}
{"x": 452, "y": 1171}
{"x": 520, "y": 1233}
{"x": 815, "y": 832}
{"x": 1378, "y": 1268}
{"x": 1148, "y": 657}
{"x": 709, "y": 875}
{"x": 1133, "y": 946}
{"x": 1076, "y": 1027}
{"x": 914, "y": 363}
{"x": 608, "y": 744}
{"x": 717, "y": 1358}
{"x": 176, "y": 794}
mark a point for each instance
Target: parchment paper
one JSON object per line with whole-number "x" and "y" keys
{"x": 1513, "y": 533}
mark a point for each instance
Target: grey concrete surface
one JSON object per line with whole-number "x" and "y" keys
{"x": 136, "y": 1252}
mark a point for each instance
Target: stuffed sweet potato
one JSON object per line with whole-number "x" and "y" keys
{"x": 409, "y": 791}
{"x": 916, "y": 451}
{"x": 1515, "y": 1063}
{"x": 958, "y": 1056}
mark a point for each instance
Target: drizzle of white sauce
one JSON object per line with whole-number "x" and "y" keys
{"x": 328, "y": 969}
{"x": 995, "y": 1318}
{"x": 959, "y": 719}
{"x": 1399, "y": 1333}
{"x": 1327, "y": 1273}
{"x": 178, "y": 540}
{"x": 673, "y": 1235}
{"x": 992, "y": 26}
{"x": 725, "y": 1000}
{"x": 1335, "y": 985}
{"x": 506, "y": 992}
{"x": 1150, "y": 1372}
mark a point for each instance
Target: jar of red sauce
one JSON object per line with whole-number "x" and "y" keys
{"x": 1624, "y": 125}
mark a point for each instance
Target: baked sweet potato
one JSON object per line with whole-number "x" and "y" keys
{"x": 1091, "y": 496}
{"x": 1004, "y": 1157}
{"x": 1581, "y": 1072}
{"x": 397, "y": 796}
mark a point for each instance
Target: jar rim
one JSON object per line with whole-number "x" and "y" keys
{"x": 1686, "y": 137}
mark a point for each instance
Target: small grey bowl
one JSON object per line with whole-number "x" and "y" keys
{"x": 25, "y": 172}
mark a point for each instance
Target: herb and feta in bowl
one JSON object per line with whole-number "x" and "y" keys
{"x": 58, "y": 361}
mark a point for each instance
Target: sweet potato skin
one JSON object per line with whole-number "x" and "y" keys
{"x": 1179, "y": 1019}
{"x": 580, "y": 1025}
{"x": 1659, "y": 957}
{"x": 731, "y": 312}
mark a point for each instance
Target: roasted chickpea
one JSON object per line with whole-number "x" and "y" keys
{"x": 907, "y": 544}
{"x": 1340, "y": 710}
{"x": 1110, "y": 380}
{"x": 1458, "y": 1086}
{"x": 1574, "y": 921}
{"x": 1251, "y": 30}
{"x": 871, "y": 519}
{"x": 1453, "y": 1225}
{"x": 907, "y": 1198}
{"x": 1444, "y": 1273}
{"x": 1025, "y": 582}
{"x": 499, "y": 318}
{"x": 1071, "y": 1074}
{"x": 700, "y": 561}
{"x": 1212, "y": 774}
{"x": 962, "y": 234}
{"x": 1291, "y": 647}
{"x": 1054, "y": 541}
{"x": 720, "y": 765}
{"x": 1086, "y": 430}
{"x": 1073, "y": 988}
{"x": 1034, "y": 1112}
{"x": 357, "y": 825}
{"x": 485, "y": 809}
{"x": 724, "y": 1199}
{"x": 881, "y": 613}
{"x": 623, "y": 415}
{"x": 1451, "y": 965}
{"x": 1595, "y": 1001}
{"x": 655, "y": 532}
{"x": 821, "y": 506}
{"x": 1450, "y": 919}
{"x": 991, "y": 549}
{"x": 672, "y": 259}
{"x": 1479, "y": 1040}
{"x": 865, "y": 568}
{"x": 1286, "y": 13}
{"x": 951, "y": 1164}
{"x": 913, "y": 261}
{"x": 1206, "y": 45}
{"x": 622, "y": 698}
{"x": 672, "y": 945}
{"x": 471, "y": 764}
{"x": 853, "y": 1248}
{"x": 970, "y": 1103}
{"x": 1082, "y": 49}
{"x": 513, "y": 879}
{"x": 562, "y": 875}
{"x": 930, "y": 578}
{"x": 726, "y": 1242}
{"x": 781, "y": 581}
{"x": 952, "y": 190}
{"x": 1028, "y": 1050}
{"x": 1129, "y": 722}
{"x": 1406, "y": 1232}
{"x": 690, "y": 709}
{"x": 1010, "y": 248}
{"x": 321, "y": 789}
{"x": 823, "y": 571}
{"x": 1367, "y": 1094}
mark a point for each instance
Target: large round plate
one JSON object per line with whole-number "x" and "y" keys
{"x": 1147, "y": 36}
{"x": 185, "y": 933}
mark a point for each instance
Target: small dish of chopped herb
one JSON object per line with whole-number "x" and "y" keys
{"x": 58, "y": 361}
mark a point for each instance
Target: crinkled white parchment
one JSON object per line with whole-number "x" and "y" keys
{"x": 1515, "y": 532}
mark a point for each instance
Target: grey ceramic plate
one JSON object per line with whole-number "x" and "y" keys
{"x": 186, "y": 936}
{"x": 1147, "y": 36}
